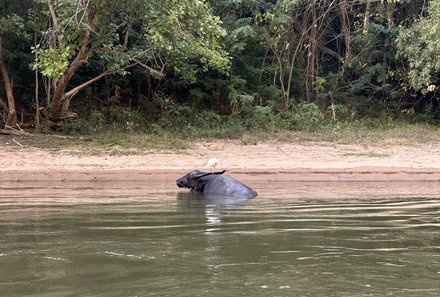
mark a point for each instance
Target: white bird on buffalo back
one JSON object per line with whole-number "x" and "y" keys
{"x": 212, "y": 163}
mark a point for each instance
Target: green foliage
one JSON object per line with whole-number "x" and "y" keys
{"x": 115, "y": 61}
{"x": 239, "y": 101}
{"x": 12, "y": 23}
{"x": 342, "y": 113}
{"x": 308, "y": 116}
{"x": 374, "y": 74}
{"x": 124, "y": 119}
{"x": 420, "y": 45}
{"x": 227, "y": 63}
{"x": 76, "y": 127}
{"x": 156, "y": 35}
{"x": 187, "y": 31}
{"x": 372, "y": 62}
{"x": 115, "y": 117}
{"x": 270, "y": 95}
{"x": 53, "y": 62}
{"x": 97, "y": 119}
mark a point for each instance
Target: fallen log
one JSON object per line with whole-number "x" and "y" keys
{"x": 15, "y": 132}
{"x": 24, "y": 133}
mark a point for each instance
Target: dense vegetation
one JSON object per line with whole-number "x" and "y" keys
{"x": 223, "y": 66}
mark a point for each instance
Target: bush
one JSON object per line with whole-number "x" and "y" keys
{"x": 97, "y": 119}
{"x": 75, "y": 127}
{"x": 308, "y": 116}
{"x": 124, "y": 118}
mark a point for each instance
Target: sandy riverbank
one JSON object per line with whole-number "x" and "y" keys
{"x": 266, "y": 161}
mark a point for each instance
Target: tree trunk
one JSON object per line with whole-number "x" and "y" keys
{"x": 345, "y": 29}
{"x": 57, "y": 107}
{"x": 285, "y": 96}
{"x": 37, "y": 102}
{"x": 312, "y": 53}
{"x": 367, "y": 17}
{"x": 12, "y": 114}
{"x": 390, "y": 12}
{"x": 291, "y": 66}
{"x": 57, "y": 35}
{"x": 37, "y": 99}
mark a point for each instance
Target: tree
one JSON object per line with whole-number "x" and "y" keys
{"x": 420, "y": 45}
{"x": 12, "y": 24}
{"x": 154, "y": 35}
{"x": 11, "y": 119}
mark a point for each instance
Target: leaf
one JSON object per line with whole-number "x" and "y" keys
{"x": 282, "y": 19}
{"x": 243, "y": 32}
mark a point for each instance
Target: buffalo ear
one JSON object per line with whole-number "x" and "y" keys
{"x": 197, "y": 175}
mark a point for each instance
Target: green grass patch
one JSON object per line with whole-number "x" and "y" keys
{"x": 366, "y": 154}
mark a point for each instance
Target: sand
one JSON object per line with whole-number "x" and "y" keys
{"x": 267, "y": 161}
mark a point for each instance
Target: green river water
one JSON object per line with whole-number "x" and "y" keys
{"x": 156, "y": 240}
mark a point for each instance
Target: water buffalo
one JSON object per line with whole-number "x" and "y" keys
{"x": 215, "y": 183}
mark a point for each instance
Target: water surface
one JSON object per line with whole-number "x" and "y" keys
{"x": 354, "y": 239}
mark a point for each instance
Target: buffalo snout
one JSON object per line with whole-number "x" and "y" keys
{"x": 187, "y": 181}
{"x": 181, "y": 184}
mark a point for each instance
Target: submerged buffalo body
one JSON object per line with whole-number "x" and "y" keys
{"x": 215, "y": 183}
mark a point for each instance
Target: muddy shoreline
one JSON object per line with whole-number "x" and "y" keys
{"x": 360, "y": 174}
{"x": 268, "y": 161}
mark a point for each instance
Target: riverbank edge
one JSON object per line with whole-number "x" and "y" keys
{"x": 358, "y": 174}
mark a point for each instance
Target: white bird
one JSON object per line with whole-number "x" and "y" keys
{"x": 212, "y": 163}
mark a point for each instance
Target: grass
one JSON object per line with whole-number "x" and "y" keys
{"x": 367, "y": 133}
{"x": 399, "y": 133}
{"x": 366, "y": 154}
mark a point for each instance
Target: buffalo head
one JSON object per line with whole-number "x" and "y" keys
{"x": 191, "y": 179}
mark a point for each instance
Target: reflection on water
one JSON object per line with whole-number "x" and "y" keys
{"x": 213, "y": 206}
{"x": 292, "y": 240}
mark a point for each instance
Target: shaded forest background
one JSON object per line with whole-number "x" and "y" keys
{"x": 81, "y": 66}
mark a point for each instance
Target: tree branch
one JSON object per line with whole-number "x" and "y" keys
{"x": 56, "y": 25}
{"x": 159, "y": 74}
{"x": 76, "y": 89}
{"x": 330, "y": 52}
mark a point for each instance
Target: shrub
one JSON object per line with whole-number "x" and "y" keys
{"x": 308, "y": 116}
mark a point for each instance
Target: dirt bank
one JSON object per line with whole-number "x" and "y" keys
{"x": 266, "y": 161}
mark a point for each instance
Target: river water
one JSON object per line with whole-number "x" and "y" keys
{"x": 354, "y": 239}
